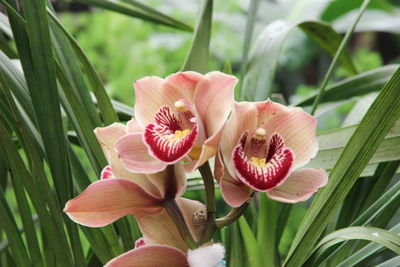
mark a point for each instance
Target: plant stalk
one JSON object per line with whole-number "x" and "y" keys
{"x": 208, "y": 180}
{"x": 176, "y": 215}
{"x": 232, "y": 216}
{"x": 341, "y": 48}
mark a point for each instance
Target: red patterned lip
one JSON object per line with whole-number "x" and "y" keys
{"x": 107, "y": 173}
{"x": 140, "y": 243}
{"x": 260, "y": 164}
{"x": 173, "y": 134}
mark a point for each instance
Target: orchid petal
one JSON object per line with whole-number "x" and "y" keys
{"x": 299, "y": 186}
{"x": 219, "y": 167}
{"x": 190, "y": 210}
{"x": 134, "y": 154}
{"x": 296, "y": 127}
{"x": 108, "y": 136}
{"x": 206, "y": 153}
{"x": 160, "y": 229}
{"x": 132, "y": 126}
{"x": 271, "y": 172}
{"x": 154, "y": 92}
{"x": 150, "y": 256}
{"x": 140, "y": 242}
{"x": 107, "y": 200}
{"x": 186, "y": 82}
{"x": 166, "y": 140}
{"x": 107, "y": 173}
{"x": 170, "y": 182}
{"x": 243, "y": 118}
{"x": 213, "y": 100}
{"x": 234, "y": 192}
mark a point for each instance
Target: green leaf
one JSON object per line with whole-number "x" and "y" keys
{"x": 250, "y": 243}
{"x": 338, "y": 8}
{"x": 390, "y": 263}
{"x": 8, "y": 224}
{"x": 235, "y": 253}
{"x": 44, "y": 94}
{"x": 106, "y": 109}
{"x": 366, "y": 252}
{"x": 3, "y": 173}
{"x": 357, "y": 153}
{"x": 360, "y": 84}
{"x": 27, "y": 221}
{"x": 136, "y": 9}
{"x": 258, "y": 80}
{"x": 338, "y": 54}
{"x": 267, "y": 216}
{"x": 69, "y": 63}
{"x": 39, "y": 196}
{"x": 383, "y": 237}
{"x": 197, "y": 58}
{"x": 153, "y": 12}
{"x": 389, "y": 198}
{"x": 332, "y": 143}
{"x": 38, "y": 193}
{"x": 81, "y": 122}
{"x": 382, "y": 178}
{"x": 248, "y": 35}
{"x": 327, "y": 38}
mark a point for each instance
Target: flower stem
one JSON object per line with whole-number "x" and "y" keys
{"x": 336, "y": 58}
{"x": 208, "y": 180}
{"x": 176, "y": 215}
{"x": 232, "y": 216}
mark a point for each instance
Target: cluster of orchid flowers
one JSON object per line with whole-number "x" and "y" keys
{"x": 180, "y": 123}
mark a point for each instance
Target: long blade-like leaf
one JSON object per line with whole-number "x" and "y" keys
{"x": 354, "y": 158}
{"x": 197, "y": 58}
{"x": 258, "y": 81}
{"x": 250, "y": 243}
{"x": 367, "y": 251}
{"x": 138, "y": 10}
{"x": 9, "y": 225}
{"x": 360, "y": 84}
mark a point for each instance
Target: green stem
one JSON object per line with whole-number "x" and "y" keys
{"x": 176, "y": 215}
{"x": 337, "y": 56}
{"x": 232, "y": 216}
{"x": 208, "y": 180}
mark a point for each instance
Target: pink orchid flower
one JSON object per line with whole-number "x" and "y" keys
{"x": 180, "y": 117}
{"x": 120, "y": 192}
{"x": 263, "y": 146}
{"x": 159, "y": 255}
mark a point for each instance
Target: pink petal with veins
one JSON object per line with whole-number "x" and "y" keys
{"x": 105, "y": 201}
{"x": 150, "y": 256}
{"x": 297, "y": 128}
{"x": 152, "y": 93}
{"x": 135, "y": 155}
{"x": 299, "y": 186}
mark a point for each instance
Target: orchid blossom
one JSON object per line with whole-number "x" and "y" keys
{"x": 263, "y": 146}
{"x": 161, "y": 255}
{"x": 120, "y": 192}
{"x": 177, "y": 118}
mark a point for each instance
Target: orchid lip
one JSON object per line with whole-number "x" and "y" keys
{"x": 173, "y": 134}
{"x": 260, "y": 164}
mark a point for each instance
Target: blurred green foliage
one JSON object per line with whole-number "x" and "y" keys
{"x": 124, "y": 49}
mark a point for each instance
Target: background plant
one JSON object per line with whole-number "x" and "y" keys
{"x": 54, "y": 93}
